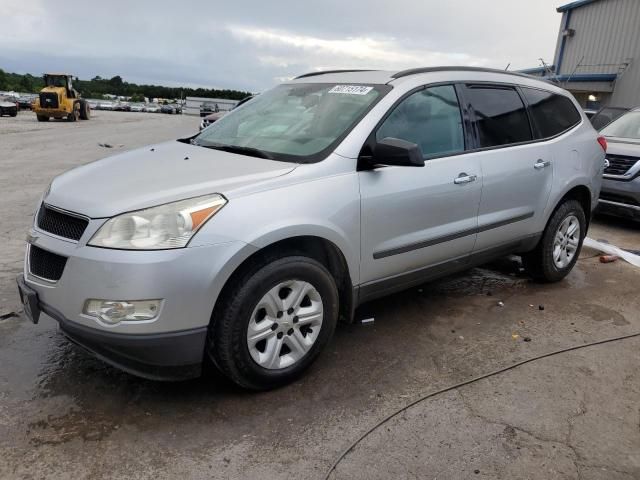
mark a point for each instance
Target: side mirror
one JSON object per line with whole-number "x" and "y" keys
{"x": 393, "y": 151}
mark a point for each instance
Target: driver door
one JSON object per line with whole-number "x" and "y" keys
{"x": 416, "y": 220}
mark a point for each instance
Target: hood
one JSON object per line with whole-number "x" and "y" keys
{"x": 157, "y": 174}
{"x": 623, "y": 146}
{"x": 6, "y": 103}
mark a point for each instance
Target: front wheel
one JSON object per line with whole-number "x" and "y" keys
{"x": 560, "y": 245}
{"x": 274, "y": 323}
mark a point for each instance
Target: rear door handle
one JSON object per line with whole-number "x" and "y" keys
{"x": 541, "y": 164}
{"x": 464, "y": 178}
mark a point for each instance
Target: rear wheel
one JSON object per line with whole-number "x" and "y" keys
{"x": 42, "y": 118}
{"x": 274, "y": 323}
{"x": 85, "y": 110}
{"x": 560, "y": 245}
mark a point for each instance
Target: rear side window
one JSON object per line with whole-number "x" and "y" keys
{"x": 500, "y": 115}
{"x": 552, "y": 114}
{"x": 430, "y": 118}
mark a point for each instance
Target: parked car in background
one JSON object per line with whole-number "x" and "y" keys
{"x": 171, "y": 108}
{"x": 152, "y": 108}
{"x": 25, "y": 102}
{"x": 138, "y": 107}
{"x": 105, "y": 105}
{"x": 214, "y": 117}
{"x": 606, "y": 115}
{"x": 207, "y": 108}
{"x": 93, "y": 104}
{"x": 620, "y": 194}
{"x": 122, "y": 107}
{"x": 211, "y": 118}
{"x": 246, "y": 243}
{"x": 8, "y": 106}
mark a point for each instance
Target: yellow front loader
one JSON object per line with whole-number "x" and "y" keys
{"x": 59, "y": 100}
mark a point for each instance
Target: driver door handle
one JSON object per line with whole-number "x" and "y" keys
{"x": 464, "y": 178}
{"x": 541, "y": 164}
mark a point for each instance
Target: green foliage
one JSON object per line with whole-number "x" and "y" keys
{"x": 98, "y": 86}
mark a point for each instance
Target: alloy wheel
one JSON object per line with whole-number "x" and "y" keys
{"x": 566, "y": 242}
{"x": 285, "y": 324}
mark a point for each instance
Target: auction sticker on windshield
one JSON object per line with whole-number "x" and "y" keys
{"x": 351, "y": 89}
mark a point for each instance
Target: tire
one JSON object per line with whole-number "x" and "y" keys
{"x": 85, "y": 110}
{"x": 550, "y": 262}
{"x": 42, "y": 118}
{"x": 14, "y": 113}
{"x": 239, "y": 358}
{"x": 75, "y": 114}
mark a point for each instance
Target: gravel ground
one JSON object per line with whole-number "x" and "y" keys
{"x": 571, "y": 416}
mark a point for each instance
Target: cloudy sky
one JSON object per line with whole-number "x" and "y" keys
{"x": 254, "y": 44}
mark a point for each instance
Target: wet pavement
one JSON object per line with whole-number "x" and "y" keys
{"x": 64, "y": 414}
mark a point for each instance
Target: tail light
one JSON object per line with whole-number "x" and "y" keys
{"x": 603, "y": 143}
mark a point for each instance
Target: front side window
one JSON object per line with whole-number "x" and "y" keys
{"x": 294, "y": 122}
{"x": 500, "y": 115}
{"x": 430, "y": 118}
{"x": 626, "y": 126}
{"x": 552, "y": 114}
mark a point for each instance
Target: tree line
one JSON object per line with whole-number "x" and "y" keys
{"x": 98, "y": 86}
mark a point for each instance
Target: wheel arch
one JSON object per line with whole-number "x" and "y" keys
{"x": 580, "y": 193}
{"x": 319, "y": 248}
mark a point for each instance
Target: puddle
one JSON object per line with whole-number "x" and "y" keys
{"x": 504, "y": 273}
{"x": 603, "y": 314}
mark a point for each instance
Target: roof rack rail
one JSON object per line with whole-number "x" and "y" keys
{"x": 313, "y": 74}
{"x": 414, "y": 71}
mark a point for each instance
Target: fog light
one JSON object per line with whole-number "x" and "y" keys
{"x": 116, "y": 311}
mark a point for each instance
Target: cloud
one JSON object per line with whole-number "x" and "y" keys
{"x": 326, "y": 53}
{"x": 253, "y": 44}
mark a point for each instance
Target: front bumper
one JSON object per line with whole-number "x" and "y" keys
{"x": 620, "y": 197}
{"x": 164, "y": 356}
{"x": 187, "y": 280}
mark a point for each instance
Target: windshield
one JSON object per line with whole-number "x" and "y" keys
{"x": 607, "y": 115}
{"x": 296, "y": 122}
{"x": 53, "y": 81}
{"x": 627, "y": 126}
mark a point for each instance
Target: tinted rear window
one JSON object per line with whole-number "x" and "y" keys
{"x": 552, "y": 114}
{"x": 501, "y": 117}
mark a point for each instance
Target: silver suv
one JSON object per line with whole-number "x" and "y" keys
{"x": 245, "y": 244}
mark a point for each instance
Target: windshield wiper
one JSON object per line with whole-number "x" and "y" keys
{"x": 250, "y": 151}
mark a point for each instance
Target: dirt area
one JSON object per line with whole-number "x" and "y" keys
{"x": 64, "y": 414}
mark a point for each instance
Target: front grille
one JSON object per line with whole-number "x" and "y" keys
{"x": 48, "y": 100}
{"x": 61, "y": 224}
{"x": 45, "y": 264}
{"x": 619, "y": 164}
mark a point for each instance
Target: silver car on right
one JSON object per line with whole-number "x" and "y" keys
{"x": 620, "y": 194}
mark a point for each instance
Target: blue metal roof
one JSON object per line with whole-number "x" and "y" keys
{"x": 585, "y": 77}
{"x": 576, "y": 4}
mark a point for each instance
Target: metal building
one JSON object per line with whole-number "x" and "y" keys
{"x": 597, "y": 54}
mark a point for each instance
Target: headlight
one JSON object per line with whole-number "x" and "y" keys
{"x": 166, "y": 226}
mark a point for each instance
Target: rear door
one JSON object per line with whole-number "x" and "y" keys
{"x": 517, "y": 171}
